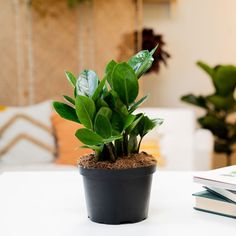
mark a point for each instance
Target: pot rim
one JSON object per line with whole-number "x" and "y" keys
{"x": 114, "y": 173}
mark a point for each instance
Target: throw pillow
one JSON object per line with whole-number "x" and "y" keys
{"x": 26, "y": 135}
{"x": 68, "y": 146}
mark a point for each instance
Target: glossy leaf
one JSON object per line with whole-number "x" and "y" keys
{"x": 134, "y": 106}
{"x": 89, "y": 137}
{"x": 141, "y": 62}
{"x": 115, "y": 103}
{"x": 85, "y": 109}
{"x": 125, "y": 83}
{"x": 128, "y": 121}
{"x": 87, "y": 83}
{"x": 112, "y": 138}
{"x": 94, "y": 147}
{"x": 102, "y": 126}
{"x": 105, "y": 111}
{"x": 71, "y": 78}
{"x": 135, "y": 122}
{"x": 101, "y": 103}
{"x": 99, "y": 90}
{"x": 66, "y": 111}
{"x": 108, "y": 71}
{"x": 147, "y": 124}
{"x": 117, "y": 122}
{"x": 69, "y": 99}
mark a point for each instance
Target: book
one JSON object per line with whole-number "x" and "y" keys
{"x": 224, "y": 178}
{"x": 211, "y": 203}
{"x": 225, "y": 193}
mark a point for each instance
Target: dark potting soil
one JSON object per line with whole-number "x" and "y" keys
{"x": 132, "y": 161}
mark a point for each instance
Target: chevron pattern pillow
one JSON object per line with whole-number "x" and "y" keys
{"x": 26, "y": 135}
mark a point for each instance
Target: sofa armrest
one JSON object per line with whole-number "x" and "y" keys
{"x": 203, "y": 149}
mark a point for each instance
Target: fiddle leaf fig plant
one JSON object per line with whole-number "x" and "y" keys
{"x": 218, "y": 107}
{"x": 106, "y": 108}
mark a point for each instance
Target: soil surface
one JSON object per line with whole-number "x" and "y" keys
{"x": 132, "y": 161}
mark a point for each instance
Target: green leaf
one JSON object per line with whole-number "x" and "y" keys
{"x": 222, "y": 102}
{"x": 138, "y": 103}
{"x": 89, "y": 137}
{"x": 99, "y": 89}
{"x": 141, "y": 62}
{"x": 85, "y": 109}
{"x": 158, "y": 121}
{"x": 147, "y": 124}
{"x": 87, "y": 83}
{"x": 222, "y": 147}
{"x": 69, "y": 99}
{"x": 115, "y": 103}
{"x": 217, "y": 126}
{"x": 102, "y": 126}
{"x": 206, "y": 68}
{"x": 66, "y": 111}
{"x": 135, "y": 122}
{"x": 108, "y": 71}
{"x": 199, "y": 101}
{"x": 225, "y": 80}
{"x": 125, "y": 83}
{"x": 71, "y": 78}
{"x": 128, "y": 121}
{"x": 112, "y": 138}
{"x": 94, "y": 147}
{"x": 105, "y": 111}
{"x": 117, "y": 122}
{"x": 101, "y": 103}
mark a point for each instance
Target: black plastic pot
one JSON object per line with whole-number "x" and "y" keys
{"x": 117, "y": 196}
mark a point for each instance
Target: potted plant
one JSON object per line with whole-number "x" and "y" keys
{"x": 219, "y": 107}
{"x": 117, "y": 177}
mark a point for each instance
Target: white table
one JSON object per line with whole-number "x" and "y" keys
{"x": 51, "y": 203}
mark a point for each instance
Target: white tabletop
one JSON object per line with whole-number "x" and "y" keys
{"x": 51, "y": 203}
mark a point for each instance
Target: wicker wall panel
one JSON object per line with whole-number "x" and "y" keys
{"x": 54, "y": 49}
{"x": 112, "y": 21}
{"x": 42, "y": 40}
{"x": 8, "y": 60}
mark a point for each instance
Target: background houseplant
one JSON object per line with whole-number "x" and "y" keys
{"x": 219, "y": 107}
{"x": 106, "y": 110}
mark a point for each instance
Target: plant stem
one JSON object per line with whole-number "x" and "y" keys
{"x": 125, "y": 144}
{"x": 111, "y": 150}
{"x": 119, "y": 147}
{"x": 139, "y": 144}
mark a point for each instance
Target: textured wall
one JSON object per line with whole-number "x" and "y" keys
{"x": 40, "y": 41}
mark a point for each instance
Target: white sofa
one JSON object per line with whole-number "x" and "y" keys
{"x": 182, "y": 146}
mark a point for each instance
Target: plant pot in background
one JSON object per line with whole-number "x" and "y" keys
{"x": 117, "y": 196}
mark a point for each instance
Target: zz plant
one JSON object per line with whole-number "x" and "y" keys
{"x": 106, "y": 108}
{"x": 218, "y": 106}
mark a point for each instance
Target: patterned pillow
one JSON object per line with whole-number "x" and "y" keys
{"x": 26, "y": 134}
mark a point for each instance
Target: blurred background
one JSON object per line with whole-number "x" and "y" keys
{"x": 40, "y": 39}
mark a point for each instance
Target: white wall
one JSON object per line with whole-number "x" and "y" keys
{"x": 193, "y": 30}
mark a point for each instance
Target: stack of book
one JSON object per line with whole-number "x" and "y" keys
{"x": 219, "y": 195}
